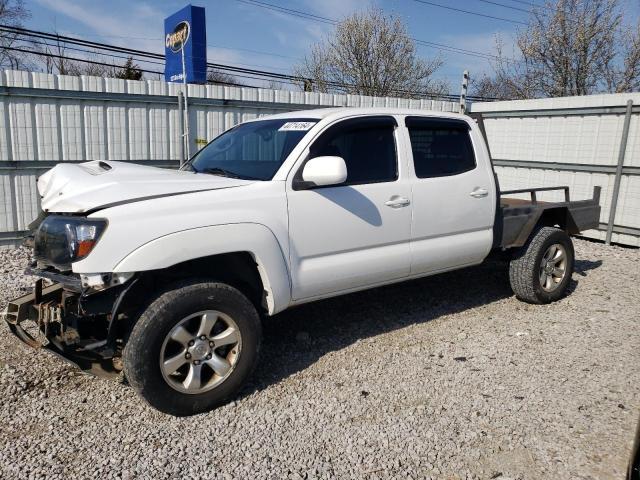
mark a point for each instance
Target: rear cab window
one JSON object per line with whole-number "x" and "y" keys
{"x": 440, "y": 146}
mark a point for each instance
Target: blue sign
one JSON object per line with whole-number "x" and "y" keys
{"x": 186, "y": 30}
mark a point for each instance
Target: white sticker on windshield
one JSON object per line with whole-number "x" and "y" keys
{"x": 296, "y": 126}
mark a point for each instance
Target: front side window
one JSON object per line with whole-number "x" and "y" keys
{"x": 440, "y": 147}
{"x": 367, "y": 146}
{"x": 252, "y": 150}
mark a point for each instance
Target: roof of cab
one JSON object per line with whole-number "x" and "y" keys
{"x": 336, "y": 113}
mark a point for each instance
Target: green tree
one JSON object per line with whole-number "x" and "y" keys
{"x": 130, "y": 71}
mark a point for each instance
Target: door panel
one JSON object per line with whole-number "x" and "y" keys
{"x": 346, "y": 237}
{"x": 454, "y": 202}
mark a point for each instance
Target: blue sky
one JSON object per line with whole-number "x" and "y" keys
{"x": 236, "y": 32}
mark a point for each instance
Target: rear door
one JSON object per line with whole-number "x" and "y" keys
{"x": 453, "y": 195}
{"x": 357, "y": 234}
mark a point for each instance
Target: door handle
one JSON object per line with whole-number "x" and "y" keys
{"x": 479, "y": 193}
{"x": 397, "y": 202}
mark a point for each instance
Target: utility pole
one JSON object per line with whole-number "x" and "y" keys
{"x": 308, "y": 85}
{"x": 463, "y": 92}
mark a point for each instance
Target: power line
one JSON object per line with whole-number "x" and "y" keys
{"x": 289, "y": 11}
{"x": 253, "y": 51}
{"x": 239, "y": 71}
{"x": 449, "y": 48}
{"x": 259, "y": 52}
{"x": 88, "y": 43}
{"x": 95, "y": 62}
{"x": 65, "y": 57}
{"x": 534, "y": 8}
{"x": 94, "y": 52}
{"x": 530, "y": 4}
{"x": 66, "y": 47}
{"x": 433, "y": 4}
{"x": 57, "y": 37}
{"x": 270, "y": 6}
{"x": 505, "y": 6}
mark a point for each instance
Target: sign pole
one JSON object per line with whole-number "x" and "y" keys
{"x": 185, "y": 54}
{"x": 186, "y": 106}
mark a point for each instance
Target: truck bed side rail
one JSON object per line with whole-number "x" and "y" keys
{"x": 567, "y": 197}
{"x": 533, "y": 191}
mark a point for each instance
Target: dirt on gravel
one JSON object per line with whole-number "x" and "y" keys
{"x": 445, "y": 377}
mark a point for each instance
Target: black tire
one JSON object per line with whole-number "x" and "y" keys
{"x": 525, "y": 267}
{"x": 143, "y": 349}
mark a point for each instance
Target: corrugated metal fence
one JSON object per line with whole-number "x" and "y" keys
{"x": 575, "y": 141}
{"x": 46, "y": 119}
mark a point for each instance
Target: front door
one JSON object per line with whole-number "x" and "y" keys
{"x": 357, "y": 234}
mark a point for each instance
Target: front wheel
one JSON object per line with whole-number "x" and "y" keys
{"x": 193, "y": 348}
{"x": 541, "y": 270}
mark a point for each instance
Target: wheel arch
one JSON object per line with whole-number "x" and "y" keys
{"x": 560, "y": 217}
{"x": 233, "y": 250}
{"x": 522, "y": 231}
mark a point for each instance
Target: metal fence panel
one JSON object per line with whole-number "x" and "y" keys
{"x": 571, "y": 141}
{"x": 47, "y": 119}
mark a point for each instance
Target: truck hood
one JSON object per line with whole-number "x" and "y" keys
{"x": 81, "y": 187}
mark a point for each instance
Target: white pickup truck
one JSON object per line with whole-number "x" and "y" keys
{"x": 168, "y": 274}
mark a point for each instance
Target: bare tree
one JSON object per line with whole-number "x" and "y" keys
{"x": 12, "y": 13}
{"x": 370, "y": 53}
{"x": 490, "y": 87}
{"x": 626, "y": 78}
{"x": 570, "y": 47}
{"x": 55, "y": 58}
{"x": 275, "y": 85}
{"x": 218, "y": 77}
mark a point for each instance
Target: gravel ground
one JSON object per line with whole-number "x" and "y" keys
{"x": 447, "y": 377}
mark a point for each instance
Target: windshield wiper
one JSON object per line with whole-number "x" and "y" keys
{"x": 225, "y": 173}
{"x": 219, "y": 171}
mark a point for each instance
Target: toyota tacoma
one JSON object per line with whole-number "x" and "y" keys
{"x": 168, "y": 274}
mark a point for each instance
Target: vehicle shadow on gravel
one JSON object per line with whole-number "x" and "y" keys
{"x": 581, "y": 267}
{"x": 297, "y": 338}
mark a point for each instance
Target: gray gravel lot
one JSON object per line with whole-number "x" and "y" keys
{"x": 447, "y": 377}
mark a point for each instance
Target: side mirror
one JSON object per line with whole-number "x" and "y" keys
{"x": 324, "y": 171}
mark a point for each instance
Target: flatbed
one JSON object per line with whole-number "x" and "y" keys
{"x": 518, "y": 217}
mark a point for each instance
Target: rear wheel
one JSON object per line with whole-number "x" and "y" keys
{"x": 193, "y": 348}
{"x": 542, "y": 268}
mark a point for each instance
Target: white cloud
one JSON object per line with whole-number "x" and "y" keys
{"x": 223, "y": 55}
{"x": 142, "y": 28}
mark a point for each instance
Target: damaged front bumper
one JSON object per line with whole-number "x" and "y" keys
{"x": 75, "y": 325}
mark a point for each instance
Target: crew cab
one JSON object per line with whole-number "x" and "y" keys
{"x": 169, "y": 274}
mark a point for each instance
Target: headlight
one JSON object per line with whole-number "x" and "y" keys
{"x": 60, "y": 240}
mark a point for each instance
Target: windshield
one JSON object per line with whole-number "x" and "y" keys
{"x": 253, "y": 150}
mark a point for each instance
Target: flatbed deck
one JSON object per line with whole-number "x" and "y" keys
{"x": 516, "y": 218}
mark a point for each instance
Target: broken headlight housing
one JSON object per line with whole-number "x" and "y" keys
{"x": 61, "y": 240}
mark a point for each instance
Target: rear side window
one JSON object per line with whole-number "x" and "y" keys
{"x": 440, "y": 147}
{"x": 367, "y": 146}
